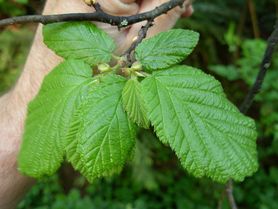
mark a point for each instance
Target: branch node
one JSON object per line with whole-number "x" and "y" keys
{"x": 97, "y": 7}
{"x": 137, "y": 40}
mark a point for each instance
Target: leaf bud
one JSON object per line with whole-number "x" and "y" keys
{"x": 104, "y": 68}
{"x": 137, "y": 66}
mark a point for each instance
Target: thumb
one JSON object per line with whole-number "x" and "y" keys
{"x": 162, "y": 23}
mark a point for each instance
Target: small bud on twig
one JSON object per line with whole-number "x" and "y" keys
{"x": 137, "y": 66}
{"x": 104, "y": 68}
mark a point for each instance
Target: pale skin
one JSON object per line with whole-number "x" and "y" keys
{"x": 40, "y": 61}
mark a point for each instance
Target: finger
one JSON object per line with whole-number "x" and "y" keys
{"x": 188, "y": 12}
{"x": 162, "y": 23}
{"x": 66, "y": 6}
{"x": 119, "y": 7}
{"x": 118, "y": 36}
{"x": 113, "y": 7}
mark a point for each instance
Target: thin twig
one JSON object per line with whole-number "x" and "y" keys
{"x": 255, "y": 89}
{"x": 229, "y": 193}
{"x": 97, "y": 7}
{"x": 98, "y": 16}
{"x": 254, "y": 18}
{"x": 249, "y": 99}
{"x": 141, "y": 35}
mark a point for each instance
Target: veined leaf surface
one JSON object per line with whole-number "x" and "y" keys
{"x": 102, "y": 137}
{"x": 190, "y": 112}
{"x": 134, "y": 103}
{"x": 49, "y": 117}
{"x": 166, "y": 49}
{"x": 79, "y": 40}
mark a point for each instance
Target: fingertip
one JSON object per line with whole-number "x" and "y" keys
{"x": 188, "y": 12}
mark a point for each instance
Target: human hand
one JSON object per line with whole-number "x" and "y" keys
{"x": 41, "y": 60}
{"x": 125, "y": 36}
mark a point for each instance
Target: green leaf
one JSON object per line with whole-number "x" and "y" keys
{"x": 166, "y": 49}
{"x": 102, "y": 137}
{"x": 79, "y": 40}
{"x": 49, "y": 117}
{"x": 134, "y": 103}
{"x": 190, "y": 112}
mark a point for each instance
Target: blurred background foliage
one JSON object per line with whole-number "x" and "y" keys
{"x": 231, "y": 47}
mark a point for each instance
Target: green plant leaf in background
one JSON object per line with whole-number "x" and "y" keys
{"x": 49, "y": 117}
{"x": 13, "y": 52}
{"x": 191, "y": 113}
{"x": 102, "y": 137}
{"x": 166, "y": 49}
{"x": 82, "y": 41}
{"x": 246, "y": 69}
{"x": 230, "y": 72}
{"x": 13, "y": 8}
{"x": 134, "y": 103}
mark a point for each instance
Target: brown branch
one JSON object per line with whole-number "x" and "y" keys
{"x": 98, "y": 16}
{"x": 97, "y": 7}
{"x": 230, "y": 196}
{"x": 141, "y": 35}
{"x": 254, "y": 18}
